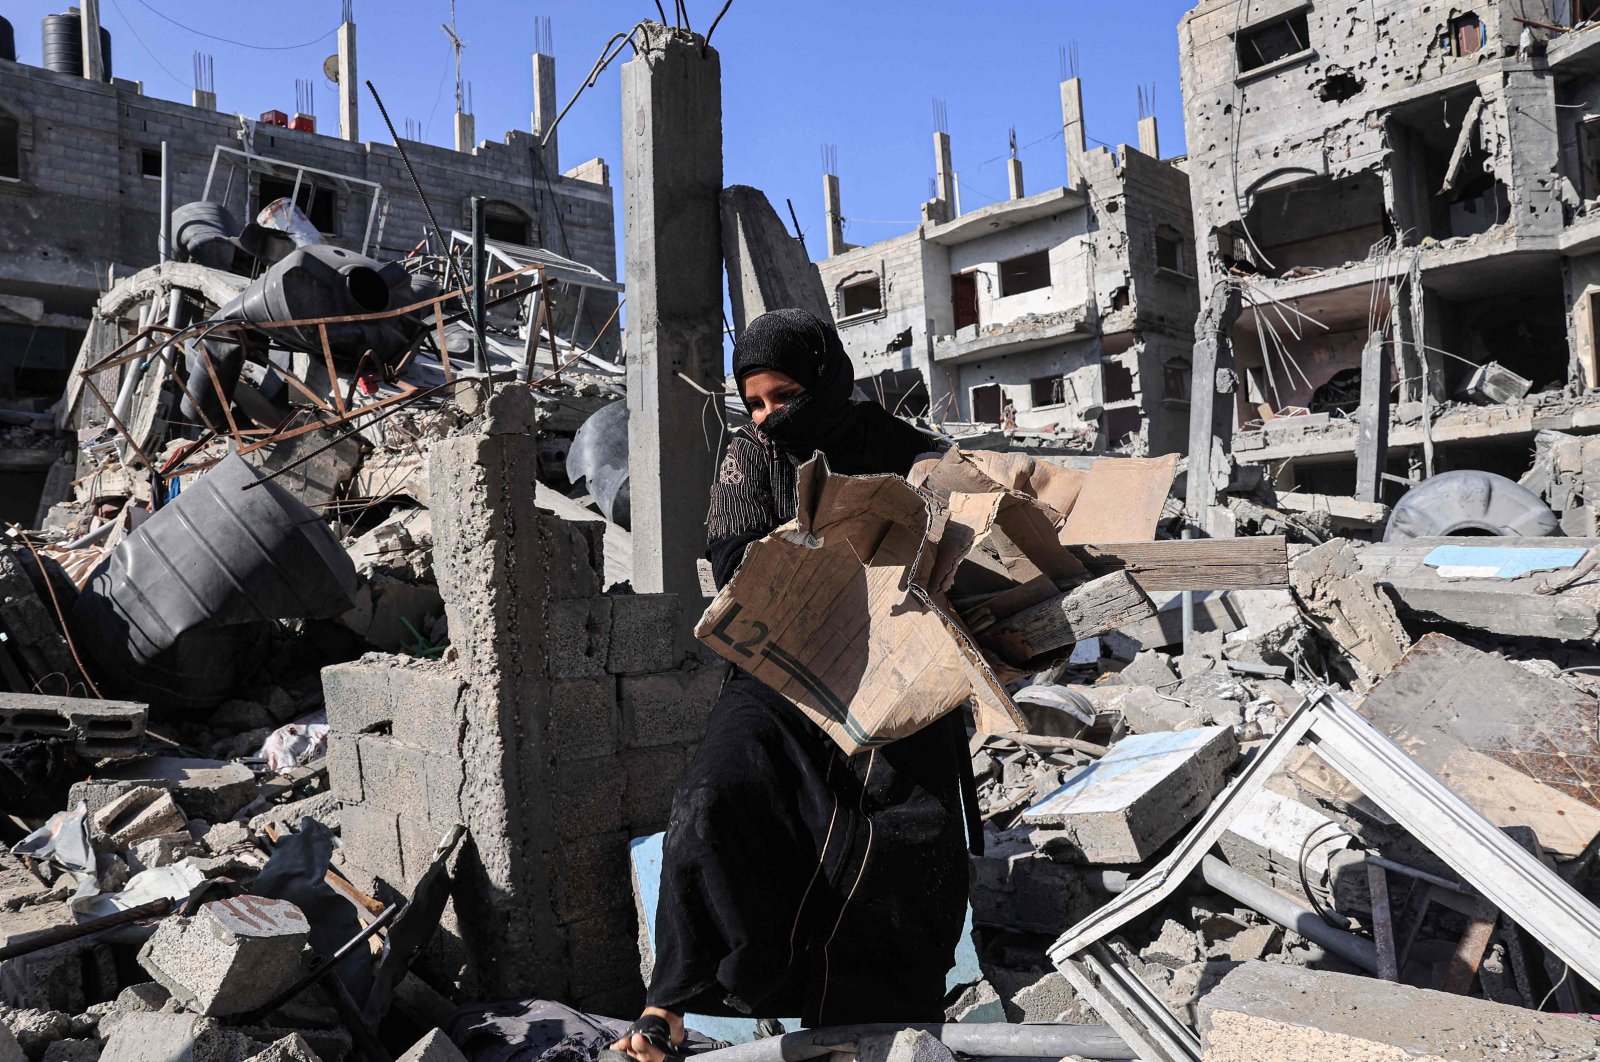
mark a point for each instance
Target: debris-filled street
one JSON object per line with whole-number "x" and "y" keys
{"x": 454, "y": 607}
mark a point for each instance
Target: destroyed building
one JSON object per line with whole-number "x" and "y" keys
{"x": 81, "y": 185}
{"x": 1064, "y": 314}
{"x": 1402, "y": 195}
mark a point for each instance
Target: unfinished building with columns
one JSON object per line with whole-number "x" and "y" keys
{"x": 1064, "y": 316}
{"x": 81, "y": 173}
{"x": 1395, "y": 205}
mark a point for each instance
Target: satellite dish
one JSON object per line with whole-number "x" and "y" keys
{"x": 330, "y": 68}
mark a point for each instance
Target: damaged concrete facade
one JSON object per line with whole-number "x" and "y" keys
{"x": 85, "y": 200}
{"x": 1401, "y": 193}
{"x": 1065, "y": 312}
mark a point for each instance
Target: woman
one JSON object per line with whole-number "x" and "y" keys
{"x": 795, "y": 879}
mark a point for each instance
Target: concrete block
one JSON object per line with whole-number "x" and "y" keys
{"x": 96, "y": 728}
{"x": 10, "y": 1050}
{"x": 1292, "y": 1014}
{"x": 427, "y": 709}
{"x": 585, "y": 719}
{"x": 72, "y": 1051}
{"x": 370, "y": 838}
{"x": 231, "y": 957}
{"x": 356, "y": 696}
{"x": 175, "y": 1038}
{"x": 1018, "y": 889}
{"x": 1123, "y": 807}
{"x": 585, "y": 798}
{"x": 593, "y": 877}
{"x": 394, "y": 775}
{"x": 140, "y": 813}
{"x": 652, "y": 777}
{"x": 579, "y": 637}
{"x": 291, "y": 1048}
{"x": 213, "y": 790}
{"x": 576, "y": 558}
{"x": 644, "y": 630}
{"x": 344, "y": 766}
{"x": 668, "y": 708}
{"x": 435, "y": 1046}
{"x": 603, "y": 955}
{"x": 909, "y": 1045}
{"x": 446, "y": 777}
{"x": 1050, "y": 999}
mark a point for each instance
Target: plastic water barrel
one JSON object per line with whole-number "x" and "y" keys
{"x": 63, "y": 45}
{"x": 8, "y": 41}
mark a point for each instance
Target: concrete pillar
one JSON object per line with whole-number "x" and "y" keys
{"x": 831, "y": 207}
{"x": 767, "y": 268}
{"x": 94, "y": 63}
{"x": 1014, "y": 177}
{"x": 1211, "y": 391}
{"x": 944, "y": 173}
{"x": 466, "y": 134}
{"x": 545, "y": 109}
{"x": 1372, "y": 418}
{"x": 1149, "y": 139}
{"x": 1072, "y": 129}
{"x": 672, "y": 261}
{"x": 349, "y": 85}
{"x": 206, "y": 101}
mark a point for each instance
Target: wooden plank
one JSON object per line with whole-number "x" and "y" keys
{"x": 1256, "y": 563}
{"x": 1098, "y": 606}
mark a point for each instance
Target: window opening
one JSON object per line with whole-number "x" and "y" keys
{"x": 862, "y": 296}
{"x": 987, "y": 400}
{"x": 320, "y": 204}
{"x": 1175, "y": 380}
{"x": 150, "y": 163}
{"x": 964, "y": 299}
{"x": 1027, "y": 272}
{"x": 10, "y": 148}
{"x": 1466, "y": 33}
{"x": 1048, "y": 390}
{"x": 1275, "y": 40}
{"x": 1169, "y": 249}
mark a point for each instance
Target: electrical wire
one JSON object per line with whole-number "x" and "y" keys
{"x": 238, "y": 44}
{"x": 1565, "y": 970}
{"x": 140, "y": 40}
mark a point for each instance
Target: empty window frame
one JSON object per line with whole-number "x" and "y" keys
{"x": 861, "y": 296}
{"x": 321, "y": 205}
{"x": 1048, "y": 390}
{"x": 1175, "y": 380}
{"x": 507, "y": 224}
{"x": 1584, "y": 11}
{"x": 1169, "y": 250}
{"x": 150, "y": 163}
{"x": 1269, "y": 42}
{"x": 1116, "y": 381}
{"x": 964, "y": 299}
{"x": 10, "y": 148}
{"x": 1027, "y": 272}
{"x": 1121, "y": 423}
{"x": 1466, "y": 34}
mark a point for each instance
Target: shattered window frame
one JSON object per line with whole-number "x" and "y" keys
{"x": 10, "y": 148}
{"x": 1170, "y": 251}
{"x": 850, "y": 290}
{"x": 311, "y": 198}
{"x": 1048, "y": 390}
{"x": 1024, "y": 273}
{"x": 1256, "y": 60}
{"x": 1175, "y": 379}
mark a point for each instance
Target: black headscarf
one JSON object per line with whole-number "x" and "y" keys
{"x": 858, "y": 438}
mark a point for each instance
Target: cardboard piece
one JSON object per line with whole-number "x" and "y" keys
{"x": 845, "y": 611}
{"x": 1121, "y": 500}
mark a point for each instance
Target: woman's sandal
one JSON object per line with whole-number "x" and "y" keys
{"x": 657, "y": 1033}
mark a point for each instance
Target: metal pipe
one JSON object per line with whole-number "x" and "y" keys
{"x": 983, "y": 1039}
{"x": 1288, "y": 913}
{"x": 49, "y": 938}
{"x": 93, "y": 536}
{"x": 480, "y": 350}
{"x": 1188, "y": 604}
{"x": 164, "y": 239}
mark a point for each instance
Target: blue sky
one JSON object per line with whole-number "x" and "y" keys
{"x": 861, "y": 76}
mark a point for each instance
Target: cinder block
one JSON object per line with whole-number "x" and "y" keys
{"x": 344, "y": 766}
{"x": 644, "y": 633}
{"x": 96, "y": 728}
{"x": 394, "y": 776}
{"x": 585, "y": 719}
{"x": 1124, "y": 806}
{"x": 603, "y": 952}
{"x": 592, "y": 877}
{"x": 369, "y": 837}
{"x": 356, "y": 696}
{"x": 232, "y": 957}
{"x": 578, "y": 639}
{"x": 445, "y": 779}
{"x": 668, "y": 708}
{"x": 576, "y": 556}
{"x": 652, "y": 777}
{"x": 427, "y": 709}
{"x": 585, "y": 801}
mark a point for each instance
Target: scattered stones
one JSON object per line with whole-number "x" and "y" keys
{"x": 232, "y": 957}
{"x": 434, "y": 1046}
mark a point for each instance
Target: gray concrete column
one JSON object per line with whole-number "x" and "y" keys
{"x": 466, "y": 134}
{"x": 1149, "y": 138}
{"x": 349, "y": 86}
{"x": 1072, "y": 129}
{"x": 672, "y": 261}
{"x": 945, "y": 174}
{"x": 831, "y": 207}
{"x": 545, "y": 109}
{"x": 1211, "y": 388}
{"x": 206, "y": 101}
{"x": 94, "y": 63}
{"x": 1014, "y": 177}
{"x": 1372, "y": 418}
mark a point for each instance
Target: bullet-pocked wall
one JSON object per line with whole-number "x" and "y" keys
{"x": 85, "y": 195}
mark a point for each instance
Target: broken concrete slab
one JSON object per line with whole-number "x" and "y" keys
{"x": 32, "y": 637}
{"x": 175, "y": 1038}
{"x": 213, "y": 790}
{"x": 434, "y": 1046}
{"x": 10, "y": 1050}
{"x": 1344, "y": 600}
{"x": 231, "y": 957}
{"x": 291, "y": 1048}
{"x": 908, "y": 1045}
{"x": 1518, "y": 747}
{"x": 1292, "y": 1014}
{"x": 767, "y": 268}
{"x": 1561, "y": 604}
{"x": 139, "y": 813}
{"x": 96, "y": 728}
{"x": 1495, "y": 384}
{"x": 1123, "y": 807}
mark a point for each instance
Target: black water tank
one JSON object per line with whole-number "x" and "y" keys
{"x": 63, "y": 45}
{"x": 8, "y": 41}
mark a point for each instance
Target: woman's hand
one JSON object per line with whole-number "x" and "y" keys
{"x": 641, "y": 1049}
